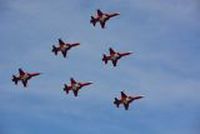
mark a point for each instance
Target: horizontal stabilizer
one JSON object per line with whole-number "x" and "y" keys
{"x": 105, "y": 59}
{"x": 55, "y": 50}
{"x": 116, "y": 102}
{"x": 15, "y": 79}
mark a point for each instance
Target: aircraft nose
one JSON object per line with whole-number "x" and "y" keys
{"x": 142, "y": 96}
{"x": 36, "y": 74}
{"x": 130, "y": 52}
{"x": 89, "y": 83}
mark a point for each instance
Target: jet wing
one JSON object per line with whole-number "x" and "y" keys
{"x": 64, "y": 53}
{"x": 61, "y": 42}
{"x": 73, "y": 81}
{"x": 126, "y": 106}
{"x": 24, "y": 82}
{"x": 111, "y": 51}
{"x": 75, "y": 93}
{"x": 102, "y": 24}
{"x": 21, "y": 72}
{"x": 114, "y": 62}
{"x": 99, "y": 12}
{"x": 123, "y": 95}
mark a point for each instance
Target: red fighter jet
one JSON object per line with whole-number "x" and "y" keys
{"x": 63, "y": 47}
{"x": 126, "y": 100}
{"x": 102, "y": 18}
{"x": 114, "y": 56}
{"x": 75, "y": 86}
{"x": 23, "y": 77}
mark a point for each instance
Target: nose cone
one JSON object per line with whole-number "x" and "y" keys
{"x": 142, "y": 96}
{"x": 117, "y": 13}
{"x": 36, "y": 74}
{"x": 89, "y": 83}
{"x": 130, "y": 53}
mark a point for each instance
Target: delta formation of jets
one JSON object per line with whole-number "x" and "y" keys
{"x": 75, "y": 86}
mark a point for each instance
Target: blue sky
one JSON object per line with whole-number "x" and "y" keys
{"x": 164, "y": 36}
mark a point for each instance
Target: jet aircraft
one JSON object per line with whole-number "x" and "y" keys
{"x": 23, "y": 77}
{"x": 126, "y": 100}
{"x": 114, "y": 56}
{"x": 102, "y": 18}
{"x": 63, "y": 47}
{"x": 75, "y": 86}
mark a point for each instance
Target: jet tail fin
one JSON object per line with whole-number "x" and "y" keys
{"x": 105, "y": 59}
{"x": 93, "y": 21}
{"x": 15, "y": 79}
{"x": 116, "y": 102}
{"x": 55, "y": 50}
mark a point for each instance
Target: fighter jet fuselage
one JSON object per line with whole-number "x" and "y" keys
{"x": 115, "y": 56}
{"x": 64, "y": 47}
{"x": 76, "y": 86}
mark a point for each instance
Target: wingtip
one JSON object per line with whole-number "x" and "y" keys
{"x": 19, "y": 69}
{"x": 123, "y": 91}
{"x": 110, "y": 48}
